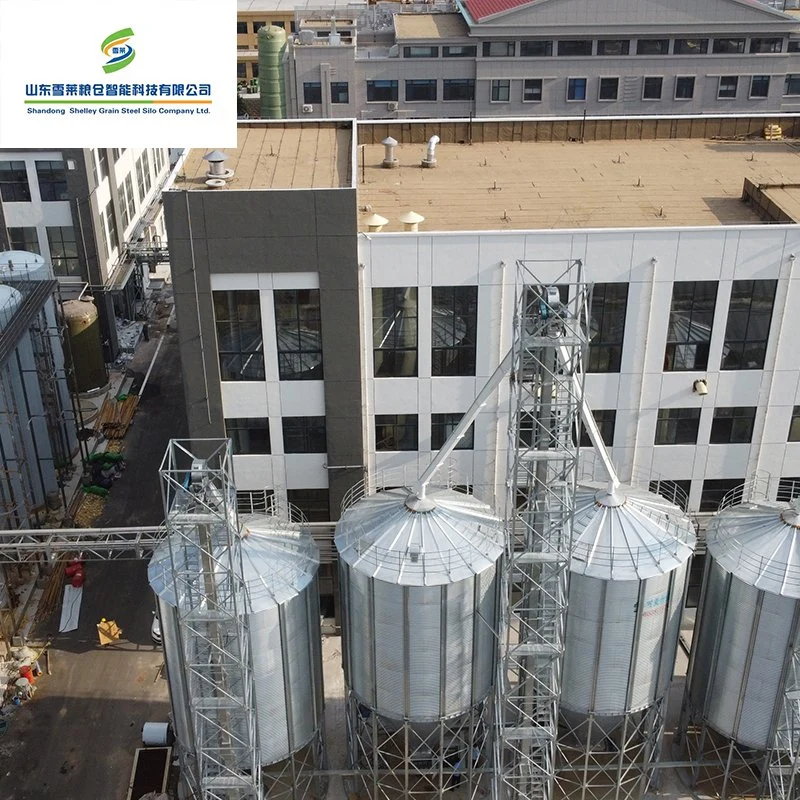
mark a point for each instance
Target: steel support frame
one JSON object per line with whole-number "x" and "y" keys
{"x": 222, "y": 762}
{"x": 397, "y": 758}
{"x": 550, "y": 341}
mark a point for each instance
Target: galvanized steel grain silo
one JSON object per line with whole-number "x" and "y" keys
{"x": 280, "y": 563}
{"x": 628, "y": 576}
{"x": 420, "y": 587}
{"x": 744, "y": 678}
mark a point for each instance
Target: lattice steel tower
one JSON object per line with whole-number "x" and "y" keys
{"x": 550, "y": 340}
{"x": 202, "y": 532}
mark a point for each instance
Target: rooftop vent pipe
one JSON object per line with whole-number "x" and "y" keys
{"x": 389, "y": 158}
{"x": 334, "y": 37}
{"x": 411, "y": 221}
{"x": 216, "y": 165}
{"x": 375, "y": 222}
{"x": 430, "y": 157}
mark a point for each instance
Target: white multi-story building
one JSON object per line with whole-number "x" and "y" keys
{"x": 324, "y": 349}
{"x": 86, "y": 211}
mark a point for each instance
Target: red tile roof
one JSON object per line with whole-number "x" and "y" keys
{"x": 480, "y": 9}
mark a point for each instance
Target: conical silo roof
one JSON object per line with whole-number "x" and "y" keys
{"x": 279, "y": 560}
{"x": 627, "y": 534}
{"x": 759, "y": 543}
{"x": 451, "y": 537}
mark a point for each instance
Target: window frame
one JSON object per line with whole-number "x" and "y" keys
{"x": 304, "y": 434}
{"x": 572, "y": 83}
{"x": 408, "y": 423}
{"x": 386, "y": 366}
{"x": 738, "y": 49}
{"x": 723, "y": 91}
{"x": 678, "y": 80}
{"x": 645, "y": 79}
{"x": 312, "y": 93}
{"x": 600, "y": 98}
{"x": 606, "y": 421}
{"x": 304, "y": 317}
{"x": 468, "y": 51}
{"x": 51, "y": 177}
{"x": 313, "y": 503}
{"x": 241, "y": 28}
{"x": 687, "y": 308}
{"x": 429, "y": 83}
{"x": 724, "y": 427}
{"x": 747, "y": 341}
{"x": 575, "y": 54}
{"x": 677, "y": 426}
{"x": 722, "y": 488}
{"x": 432, "y": 51}
{"x": 336, "y": 86}
{"x": 499, "y": 86}
{"x": 233, "y": 431}
{"x": 66, "y": 257}
{"x": 391, "y": 87}
{"x": 680, "y": 50}
{"x": 236, "y": 324}
{"x": 525, "y": 88}
{"x": 531, "y": 44}
{"x": 612, "y": 348}
{"x": 461, "y": 302}
{"x": 642, "y": 47}
{"x": 790, "y": 80}
{"x": 625, "y": 49}
{"x": 775, "y": 47}
{"x": 448, "y": 84}
{"x": 794, "y": 425}
{"x": 27, "y": 241}
{"x": 442, "y": 425}
{"x": 753, "y": 78}
{"x": 20, "y": 187}
{"x": 510, "y": 48}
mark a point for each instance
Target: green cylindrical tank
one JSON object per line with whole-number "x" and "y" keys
{"x": 271, "y": 78}
{"x": 85, "y": 346}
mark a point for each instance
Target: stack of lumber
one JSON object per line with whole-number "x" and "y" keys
{"x": 115, "y": 416}
{"x": 51, "y": 596}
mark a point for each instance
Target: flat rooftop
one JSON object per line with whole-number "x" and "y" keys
{"x": 278, "y": 156}
{"x": 429, "y": 26}
{"x": 598, "y": 184}
{"x": 290, "y": 6}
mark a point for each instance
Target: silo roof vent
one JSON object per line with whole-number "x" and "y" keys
{"x": 216, "y": 165}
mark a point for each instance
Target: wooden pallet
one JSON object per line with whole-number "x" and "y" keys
{"x": 115, "y": 416}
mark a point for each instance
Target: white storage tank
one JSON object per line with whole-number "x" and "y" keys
{"x": 280, "y": 562}
{"x": 20, "y": 265}
{"x": 628, "y": 576}
{"x": 748, "y": 623}
{"x": 419, "y": 587}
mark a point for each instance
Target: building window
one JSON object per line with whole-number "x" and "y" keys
{"x": 299, "y": 334}
{"x": 394, "y": 332}
{"x": 254, "y": 69}
{"x": 241, "y": 27}
{"x": 677, "y": 425}
{"x": 123, "y": 207}
{"x": 536, "y": 48}
{"x": 240, "y": 343}
{"x": 129, "y": 197}
{"x": 759, "y": 86}
{"x": 771, "y": 45}
{"x": 532, "y": 90}
{"x": 684, "y": 87}
{"x": 498, "y": 49}
{"x": 420, "y": 51}
{"x": 676, "y": 492}
{"x": 652, "y": 88}
{"x": 791, "y": 86}
{"x": 690, "y": 47}
{"x": 788, "y": 489}
{"x": 26, "y": 239}
{"x": 501, "y": 91}
{"x": 794, "y": 425}
{"x": 606, "y": 420}
{"x": 715, "y": 490}
{"x": 312, "y": 93}
{"x": 140, "y": 186}
{"x": 396, "y": 432}
{"x": 442, "y": 425}
{"x": 52, "y": 177}
{"x": 14, "y": 186}
{"x": 652, "y": 47}
{"x": 241, "y": 69}
{"x": 607, "y": 326}
{"x": 733, "y": 425}
{"x": 793, "y": 46}
{"x": 576, "y": 89}
{"x": 340, "y": 92}
{"x": 249, "y": 436}
{"x": 111, "y": 218}
{"x": 459, "y": 51}
{"x": 256, "y": 501}
{"x": 276, "y": 23}
{"x": 453, "y": 330}
{"x": 609, "y": 89}
{"x": 417, "y": 90}
{"x": 575, "y": 47}
{"x": 102, "y": 163}
{"x": 691, "y": 317}
{"x": 747, "y": 331}
{"x": 64, "y": 251}
{"x": 102, "y": 251}
{"x": 727, "y": 87}
{"x": 613, "y": 47}
{"x": 458, "y": 89}
{"x": 314, "y": 503}
{"x": 304, "y": 435}
{"x": 146, "y": 171}
{"x": 381, "y": 91}
{"x": 728, "y": 46}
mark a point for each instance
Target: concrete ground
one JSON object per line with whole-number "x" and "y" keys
{"x": 77, "y": 737}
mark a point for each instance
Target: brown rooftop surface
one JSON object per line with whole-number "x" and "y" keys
{"x": 279, "y": 156}
{"x": 598, "y": 184}
{"x": 429, "y": 26}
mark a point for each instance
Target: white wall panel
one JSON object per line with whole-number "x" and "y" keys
{"x": 302, "y": 398}
{"x": 244, "y": 399}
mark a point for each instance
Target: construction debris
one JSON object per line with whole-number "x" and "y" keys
{"x": 116, "y": 414}
{"x": 52, "y": 592}
{"x": 108, "y": 631}
{"x": 90, "y": 507}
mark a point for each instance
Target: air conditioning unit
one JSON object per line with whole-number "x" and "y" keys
{"x": 308, "y": 108}
{"x": 391, "y": 106}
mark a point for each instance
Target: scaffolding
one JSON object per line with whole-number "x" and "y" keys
{"x": 221, "y": 762}
{"x": 550, "y": 340}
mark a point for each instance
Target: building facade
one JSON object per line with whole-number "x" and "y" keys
{"x": 554, "y": 58}
{"x": 325, "y": 350}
